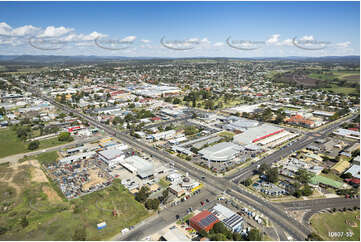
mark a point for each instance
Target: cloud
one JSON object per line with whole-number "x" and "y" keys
{"x": 129, "y": 39}
{"x": 218, "y": 44}
{"x": 7, "y": 30}
{"x": 145, "y": 41}
{"x": 307, "y": 37}
{"x": 52, "y": 31}
{"x": 287, "y": 42}
{"x": 273, "y": 39}
{"x": 344, "y": 44}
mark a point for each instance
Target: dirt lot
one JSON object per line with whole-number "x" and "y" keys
{"x": 94, "y": 179}
{"x": 37, "y": 175}
{"x": 52, "y": 195}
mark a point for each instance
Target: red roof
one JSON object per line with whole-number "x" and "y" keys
{"x": 155, "y": 118}
{"x": 353, "y": 180}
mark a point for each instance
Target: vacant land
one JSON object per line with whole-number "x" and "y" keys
{"x": 348, "y": 223}
{"x": 32, "y": 210}
{"x": 10, "y": 144}
{"x": 341, "y": 90}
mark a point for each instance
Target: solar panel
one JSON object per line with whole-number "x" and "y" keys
{"x": 208, "y": 220}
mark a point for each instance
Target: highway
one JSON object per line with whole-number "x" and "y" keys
{"x": 320, "y": 204}
{"x": 215, "y": 185}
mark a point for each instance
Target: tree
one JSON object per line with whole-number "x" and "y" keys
{"x": 347, "y": 175}
{"x": 307, "y": 190}
{"x": 219, "y": 237}
{"x": 219, "y": 228}
{"x": 272, "y": 175}
{"x": 303, "y": 176}
{"x": 248, "y": 182}
{"x": 142, "y": 195}
{"x": 65, "y": 136}
{"x": 237, "y": 236}
{"x": 263, "y": 167}
{"x": 79, "y": 234}
{"x": 33, "y": 145}
{"x": 203, "y": 233}
{"x": 152, "y": 204}
{"x": 254, "y": 235}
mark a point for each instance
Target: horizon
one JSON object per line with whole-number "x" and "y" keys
{"x": 180, "y": 29}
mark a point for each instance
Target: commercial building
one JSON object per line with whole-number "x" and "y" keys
{"x": 166, "y": 135}
{"x": 255, "y": 134}
{"x": 204, "y": 220}
{"x": 176, "y": 190}
{"x": 224, "y": 151}
{"x": 139, "y": 166}
{"x": 230, "y": 219}
{"x": 174, "y": 235}
{"x": 348, "y": 133}
{"x": 111, "y": 157}
{"x": 77, "y": 157}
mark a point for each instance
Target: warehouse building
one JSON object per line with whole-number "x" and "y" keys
{"x": 241, "y": 125}
{"x": 139, "y": 166}
{"x": 255, "y": 134}
{"x": 77, "y": 157}
{"x": 230, "y": 219}
{"x": 221, "y": 152}
{"x": 111, "y": 157}
{"x": 204, "y": 220}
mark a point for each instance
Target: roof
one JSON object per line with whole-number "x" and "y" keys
{"x": 341, "y": 166}
{"x": 256, "y": 133}
{"x": 144, "y": 168}
{"x": 175, "y": 235}
{"x": 326, "y": 181}
{"x": 111, "y": 154}
{"x": 220, "y": 152}
{"x": 204, "y": 219}
{"x": 354, "y": 170}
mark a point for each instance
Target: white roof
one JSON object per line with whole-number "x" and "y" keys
{"x": 220, "y": 152}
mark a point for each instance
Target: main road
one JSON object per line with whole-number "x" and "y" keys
{"x": 215, "y": 184}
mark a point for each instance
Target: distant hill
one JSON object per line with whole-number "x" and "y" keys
{"x": 54, "y": 59}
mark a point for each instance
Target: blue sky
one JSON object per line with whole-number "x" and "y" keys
{"x": 202, "y": 28}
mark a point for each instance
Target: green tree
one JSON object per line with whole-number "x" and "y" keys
{"x": 65, "y": 136}
{"x": 142, "y": 195}
{"x": 218, "y": 237}
{"x": 272, "y": 174}
{"x": 254, "y": 235}
{"x": 303, "y": 176}
{"x": 248, "y": 182}
{"x": 237, "y": 236}
{"x": 33, "y": 145}
{"x": 219, "y": 228}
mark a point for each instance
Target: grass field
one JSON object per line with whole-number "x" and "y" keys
{"x": 342, "y": 90}
{"x": 10, "y": 144}
{"x": 348, "y": 223}
{"x": 57, "y": 219}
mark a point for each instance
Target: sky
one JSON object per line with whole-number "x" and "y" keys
{"x": 180, "y": 29}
